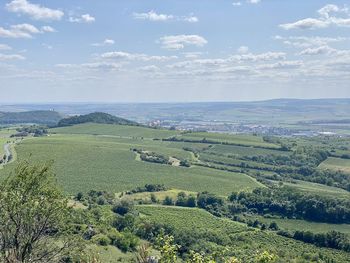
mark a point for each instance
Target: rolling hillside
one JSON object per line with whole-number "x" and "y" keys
{"x": 36, "y": 117}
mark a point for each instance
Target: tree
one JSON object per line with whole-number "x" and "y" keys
{"x": 168, "y": 250}
{"x": 168, "y": 201}
{"x": 33, "y": 216}
{"x": 266, "y": 257}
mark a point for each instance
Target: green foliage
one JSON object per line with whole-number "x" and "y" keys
{"x": 96, "y": 117}
{"x": 266, "y": 257}
{"x": 101, "y": 240}
{"x": 197, "y": 230}
{"x": 168, "y": 250}
{"x": 33, "y": 216}
{"x": 287, "y": 202}
{"x": 123, "y": 207}
{"x": 126, "y": 241}
{"x": 168, "y": 201}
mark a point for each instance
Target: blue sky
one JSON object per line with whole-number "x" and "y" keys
{"x": 184, "y": 50}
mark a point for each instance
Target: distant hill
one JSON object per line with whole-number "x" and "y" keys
{"x": 96, "y": 117}
{"x": 36, "y": 117}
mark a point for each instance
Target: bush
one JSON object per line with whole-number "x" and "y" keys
{"x": 168, "y": 201}
{"x": 123, "y": 207}
{"x": 101, "y": 240}
{"x": 126, "y": 242}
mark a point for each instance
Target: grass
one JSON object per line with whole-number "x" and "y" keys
{"x": 188, "y": 219}
{"x": 245, "y": 151}
{"x": 336, "y": 164}
{"x": 246, "y": 140}
{"x": 110, "y": 254}
{"x": 115, "y": 130}
{"x": 241, "y": 241}
{"x": 319, "y": 189}
{"x": 295, "y": 224}
{"x": 85, "y": 162}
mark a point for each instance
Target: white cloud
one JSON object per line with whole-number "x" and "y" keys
{"x": 152, "y": 16}
{"x": 325, "y": 50}
{"x": 236, "y": 3}
{"x": 307, "y": 23}
{"x": 317, "y": 51}
{"x": 282, "y": 65}
{"x": 253, "y": 1}
{"x": 180, "y": 41}
{"x": 86, "y": 18}
{"x": 192, "y": 55}
{"x": 11, "y": 57}
{"x": 106, "y": 42}
{"x": 26, "y": 28}
{"x": 5, "y": 47}
{"x": 330, "y": 8}
{"x": 103, "y": 66}
{"x": 23, "y": 31}
{"x": 119, "y": 55}
{"x": 305, "y": 42}
{"x": 35, "y": 11}
{"x": 48, "y": 29}
{"x": 155, "y": 17}
{"x": 325, "y": 20}
{"x": 243, "y": 49}
{"x": 191, "y": 19}
{"x": 150, "y": 68}
{"x": 259, "y": 57}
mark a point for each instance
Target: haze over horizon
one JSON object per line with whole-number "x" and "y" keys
{"x": 174, "y": 51}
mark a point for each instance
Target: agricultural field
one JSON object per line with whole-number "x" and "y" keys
{"x": 240, "y": 150}
{"x": 319, "y": 189}
{"x": 242, "y": 241}
{"x": 246, "y": 140}
{"x": 295, "y": 224}
{"x": 337, "y": 164}
{"x": 115, "y": 130}
{"x": 85, "y": 162}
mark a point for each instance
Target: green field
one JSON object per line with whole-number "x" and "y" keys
{"x": 191, "y": 219}
{"x": 319, "y": 189}
{"x": 84, "y": 162}
{"x": 115, "y": 130}
{"x": 245, "y": 151}
{"x": 242, "y": 241}
{"x": 336, "y": 164}
{"x": 295, "y": 224}
{"x": 246, "y": 140}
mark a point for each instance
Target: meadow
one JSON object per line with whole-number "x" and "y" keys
{"x": 336, "y": 164}
{"x": 238, "y": 139}
{"x": 115, "y": 130}
{"x": 319, "y": 189}
{"x": 295, "y": 224}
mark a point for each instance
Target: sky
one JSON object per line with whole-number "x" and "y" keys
{"x": 173, "y": 50}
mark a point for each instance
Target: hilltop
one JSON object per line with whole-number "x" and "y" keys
{"x": 96, "y": 117}
{"x": 38, "y": 117}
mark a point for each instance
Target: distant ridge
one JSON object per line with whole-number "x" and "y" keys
{"x": 96, "y": 117}
{"x": 34, "y": 117}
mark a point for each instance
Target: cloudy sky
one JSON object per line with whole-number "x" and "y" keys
{"x": 174, "y": 50}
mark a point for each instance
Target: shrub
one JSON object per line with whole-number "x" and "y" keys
{"x": 101, "y": 240}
